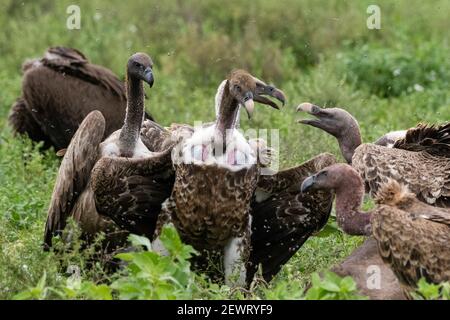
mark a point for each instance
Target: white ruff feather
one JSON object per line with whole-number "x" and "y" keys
{"x": 394, "y": 136}
{"x": 110, "y": 147}
{"x": 193, "y": 148}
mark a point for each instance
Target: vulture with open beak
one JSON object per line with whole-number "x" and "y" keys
{"x": 59, "y": 91}
{"x": 92, "y": 167}
{"x": 413, "y": 237}
{"x": 419, "y": 158}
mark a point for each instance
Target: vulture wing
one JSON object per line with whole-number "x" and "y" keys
{"x": 72, "y": 62}
{"x": 414, "y": 248}
{"x": 74, "y": 173}
{"x": 432, "y": 139}
{"x": 283, "y": 218}
{"x": 131, "y": 191}
{"x": 426, "y": 175}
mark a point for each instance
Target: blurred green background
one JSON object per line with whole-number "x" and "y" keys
{"x": 315, "y": 50}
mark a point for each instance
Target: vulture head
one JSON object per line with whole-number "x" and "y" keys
{"x": 247, "y": 89}
{"x": 140, "y": 67}
{"x": 337, "y": 122}
{"x": 332, "y": 178}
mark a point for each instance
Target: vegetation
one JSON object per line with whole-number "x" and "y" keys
{"x": 315, "y": 50}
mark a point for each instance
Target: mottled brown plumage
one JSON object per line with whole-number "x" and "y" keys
{"x": 59, "y": 91}
{"x": 89, "y": 163}
{"x": 413, "y": 237}
{"x": 211, "y": 196}
{"x": 420, "y": 159}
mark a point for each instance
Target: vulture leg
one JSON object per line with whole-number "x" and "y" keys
{"x": 284, "y": 218}
{"x": 234, "y": 259}
{"x": 22, "y": 122}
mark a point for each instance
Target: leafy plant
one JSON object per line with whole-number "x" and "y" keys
{"x": 430, "y": 291}
{"x": 332, "y": 287}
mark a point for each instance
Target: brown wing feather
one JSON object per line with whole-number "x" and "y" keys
{"x": 434, "y": 139}
{"x": 131, "y": 191}
{"x": 74, "y": 173}
{"x": 22, "y": 122}
{"x": 426, "y": 175}
{"x": 157, "y": 138}
{"x": 287, "y": 218}
{"x": 74, "y": 63}
{"x": 413, "y": 247}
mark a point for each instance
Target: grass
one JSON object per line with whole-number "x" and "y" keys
{"x": 318, "y": 51}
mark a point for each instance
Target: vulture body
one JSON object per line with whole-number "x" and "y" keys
{"x": 419, "y": 158}
{"x": 413, "y": 237}
{"x": 59, "y": 91}
{"x": 122, "y": 155}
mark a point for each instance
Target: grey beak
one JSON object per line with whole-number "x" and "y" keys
{"x": 148, "y": 76}
{"x": 307, "y": 184}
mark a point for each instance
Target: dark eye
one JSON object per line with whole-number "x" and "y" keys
{"x": 137, "y": 64}
{"x": 323, "y": 174}
{"x": 237, "y": 88}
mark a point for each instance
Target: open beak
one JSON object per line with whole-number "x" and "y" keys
{"x": 263, "y": 90}
{"x": 313, "y": 110}
{"x": 148, "y": 76}
{"x": 308, "y": 184}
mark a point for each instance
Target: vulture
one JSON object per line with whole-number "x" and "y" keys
{"x": 123, "y": 155}
{"x": 413, "y": 237}
{"x": 419, "y": 158}
{"x": 59, "y": 91}
{"x": 220, "y": 202}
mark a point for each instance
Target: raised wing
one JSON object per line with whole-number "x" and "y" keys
{"x": 74, "y": 173}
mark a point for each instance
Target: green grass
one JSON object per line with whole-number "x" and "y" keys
{"x": 318, "y": 51}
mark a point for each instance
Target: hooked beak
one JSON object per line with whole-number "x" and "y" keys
{"x": 148, "y": 76}
{"x": 262, "y": 90}
{"x": 313, "y": 110}
{"x": 249, "y": 104}
{"x": 308, "y": 184}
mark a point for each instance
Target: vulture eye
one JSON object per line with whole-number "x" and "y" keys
{"x": 323, "y": 174}
{"x": 237, "y": 88}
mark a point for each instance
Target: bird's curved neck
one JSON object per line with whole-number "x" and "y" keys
{"x": 129, "y": 135}
{"x": 227, "y": 113}
{"x": 349, "y": 141}
{"x": 349, "y": 216}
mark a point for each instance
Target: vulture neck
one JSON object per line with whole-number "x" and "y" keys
{"x": 349, "y": 140}
{"x": 349, "y": 216}
{"x": 227, "y": 114}
{"x": 129, "y": 135}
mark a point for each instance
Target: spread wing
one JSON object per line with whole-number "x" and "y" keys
{"x": 74, "y": 173}
{"x": 283, "y": 218}
{"x": 131, "y": 191}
